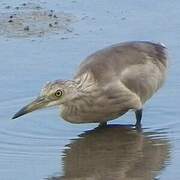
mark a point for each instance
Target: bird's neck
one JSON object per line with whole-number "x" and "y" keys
{"x": 83, "y": 87}
{"x": 82, "y": 95}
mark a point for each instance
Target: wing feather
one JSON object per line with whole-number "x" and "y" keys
{"x": 140, "y": 65}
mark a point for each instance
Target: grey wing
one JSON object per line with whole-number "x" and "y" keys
{"x": 146, "y": 78}
{"x": 139, "y": 65}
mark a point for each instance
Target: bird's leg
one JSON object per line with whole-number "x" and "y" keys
{"x": 138, "y": 117}
{"x": 102, "y": 124}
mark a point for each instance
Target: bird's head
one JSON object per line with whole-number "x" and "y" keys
{"x": 52, "y": 94}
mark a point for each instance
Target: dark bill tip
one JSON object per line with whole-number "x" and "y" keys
{"x": 20, "y": 113}
{"x": 38, "y": 103}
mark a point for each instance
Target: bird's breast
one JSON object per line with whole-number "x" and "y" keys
{"x": 89, "y": 112}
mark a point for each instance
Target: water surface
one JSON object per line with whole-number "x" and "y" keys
{"x": 43, "y": 146}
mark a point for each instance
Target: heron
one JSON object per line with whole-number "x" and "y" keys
{"x": 107, "y": 84}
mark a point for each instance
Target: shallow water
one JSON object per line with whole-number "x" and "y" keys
{"x": 43, "y": 146}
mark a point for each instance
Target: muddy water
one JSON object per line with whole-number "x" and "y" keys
{"x": 43, "y": 146}
{"x": 33, "y": 20}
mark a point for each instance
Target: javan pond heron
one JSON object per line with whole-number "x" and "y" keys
{"x": 109, "y": 83}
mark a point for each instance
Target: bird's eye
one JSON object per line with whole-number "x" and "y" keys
{"x": 58, "y": 93}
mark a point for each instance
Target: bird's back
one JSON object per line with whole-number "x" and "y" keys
{"x": 114, "y": 59}
{"x": 139, "y": 65}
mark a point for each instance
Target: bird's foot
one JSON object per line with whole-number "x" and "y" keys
{"x": 102, "y": 124}
{"x": 138, "y": 127}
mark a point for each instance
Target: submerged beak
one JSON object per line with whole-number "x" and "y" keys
{"x": 38, "y": 103}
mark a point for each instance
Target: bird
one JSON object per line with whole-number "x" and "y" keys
{"x": 108, "y": 83}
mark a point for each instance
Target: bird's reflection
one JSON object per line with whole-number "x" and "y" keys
{"x": 115, "y": 153}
